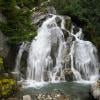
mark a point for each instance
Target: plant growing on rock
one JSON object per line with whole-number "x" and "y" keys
{"x": 8, "y": 87}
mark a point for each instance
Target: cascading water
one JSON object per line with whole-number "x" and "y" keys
{"x": 47, "y": 54}
{"x": 18, "y": 58}
{"x": 84, "y": 59}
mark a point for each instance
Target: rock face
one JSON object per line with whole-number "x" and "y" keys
{"x": 95, "y": 90}
{"x": 2, "y": 18}
{"x": 9, "y": 60}
{"x": 38, "y": 17}
{"x": 4, "y": 49}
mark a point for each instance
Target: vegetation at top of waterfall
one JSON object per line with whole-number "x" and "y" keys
{"x": 85, "y": 13}
{"x": 18, "y": 27}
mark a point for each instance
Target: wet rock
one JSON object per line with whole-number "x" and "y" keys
{"x": 51, "y": 10}
{"x": 68, "y": 74}
{"x": 46, "y": 78}
{"x": 9, "y": 60}
{"x": 5, "y": 74}
{"x": 68, "y": 23}
{"x": 15, "y": 75}
{"x": 23, "y": 64}
{"x": 58, "y": 21}
{"x": 27, "y": 97}
{"x": 76, "y": 29}
{"x": 95, "y": 90}
{"x": 38, "y": 18}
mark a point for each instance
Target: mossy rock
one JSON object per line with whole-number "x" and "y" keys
{"x": 1, "y": 60}
{"x": 1, "y": 64}
{"x": 8, "y": 87}
{"x": 68, "y": 23}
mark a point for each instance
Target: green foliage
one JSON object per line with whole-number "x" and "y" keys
{"x": 85, "y": 13}
{"x": 1, "y": 60}
{"x": 7, "y": 87}
{"x": 18, "y": 27}
{"x": 27, "y": 3}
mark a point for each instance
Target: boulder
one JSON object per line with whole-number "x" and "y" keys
{"x": 95, "y": 90}
{"x": 68, "y": 23}
{"x": 37, "y": 17}
{"x": 68, "y": 74}
{"x": 51, "y": 10}
{"x": 27, "y": 97}
{"x": 58, "y": 21}
{"x": 8, "y": 87}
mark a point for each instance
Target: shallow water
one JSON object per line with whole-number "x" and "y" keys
{"x": 75, "y": 90}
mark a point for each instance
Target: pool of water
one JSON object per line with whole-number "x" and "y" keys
{"x": 77, "y": 91}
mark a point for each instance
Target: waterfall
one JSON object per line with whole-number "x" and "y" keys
{"x": 18, "y": 58}
{"x": 48, "y": 53}
{"x": 45, "y": 55}
{"x": 85, "y": 64}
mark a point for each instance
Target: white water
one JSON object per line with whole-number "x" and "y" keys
{"x": 47, "y": 55}
{"x": 46, "y": 48}
{"x": 18, "y": 58}
{"x": 84, "y": 59}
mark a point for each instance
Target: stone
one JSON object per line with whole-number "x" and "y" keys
{"x": 46, "y": 78}
{"x": 55, "y": 95}
{"x": 51, "y": 10}
{"x": 37, "y": 17}
{"x": 27, "y": 97}
{"x": 58, "y": 20}
{"x": 95, "y": 90}
{"x": 68, "y": 23}
{"x": 68, "y": 74}
{"x": 4, "y": 49}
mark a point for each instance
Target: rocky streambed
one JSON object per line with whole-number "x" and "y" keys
{"x": 56, "y": 91}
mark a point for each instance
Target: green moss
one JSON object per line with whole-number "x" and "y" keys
{"x": 7, "y": 87}
{"x": 1, "y": 60}
{"x": 68, "y": 23}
